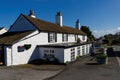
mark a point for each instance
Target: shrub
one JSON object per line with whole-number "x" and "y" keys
{"x": 101, "y": 55}
{"x": 78, "y": 40}
{"x": 78, "y": 57}
{"x": 56, "y": 60}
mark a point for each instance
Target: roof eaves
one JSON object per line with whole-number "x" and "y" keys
{"x": 22, "y": 37}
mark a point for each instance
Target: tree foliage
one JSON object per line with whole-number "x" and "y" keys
{"x": 109, "y": 37}
{"x": 86, "y": 30}
{"x": 112, "y": 39}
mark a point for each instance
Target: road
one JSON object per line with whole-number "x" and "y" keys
{"x": 82, "y": 71}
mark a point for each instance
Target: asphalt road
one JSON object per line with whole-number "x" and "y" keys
{"x": 29, "y": 72}
{"x": 82, "y": 71}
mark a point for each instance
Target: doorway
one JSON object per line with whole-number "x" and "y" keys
{"x": 2, "y": 62}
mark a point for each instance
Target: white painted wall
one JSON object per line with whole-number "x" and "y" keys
{"x": 25, "y": 56}
{"x": 8, "y": 55}
{"x": 42, "y": 38}
{"x": 22, "y": 24}
{"x": 80, "y": 36}
{"x": 32, "y": 53}
{"x": 67, "y": 55}
{"x": 59, "y": 37}
{"x": 71, "y": 38}
{"x": 67, "y": 52}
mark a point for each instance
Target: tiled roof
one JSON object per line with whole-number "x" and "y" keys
{"x": 51, "y": 27}
{"x": 10, "y": 37}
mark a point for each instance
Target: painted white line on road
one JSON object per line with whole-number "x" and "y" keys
{"x": 118, "y": 60}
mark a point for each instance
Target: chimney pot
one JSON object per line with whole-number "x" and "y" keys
{"x": 78, "y": 24}
{"x": 59, "y": 19}
{"x": 32, "y": 14}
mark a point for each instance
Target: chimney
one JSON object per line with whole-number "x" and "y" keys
{"x": 59, "y": 19}
{"x": 77, "y": 24}
{"x": 32, "y": 14}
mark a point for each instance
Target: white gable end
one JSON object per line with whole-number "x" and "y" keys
{"x": 22, "y": 24}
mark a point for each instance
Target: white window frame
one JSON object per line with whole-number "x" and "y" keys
{"x": 83, "y": 50}
{"x": 65, "y": 37}
{"x": 52, "y": 37}
{"x": 72, "y": 54}
{"x": 76, "y": 37}
{"x": 78, "y": 50}
{"x": 83, "y": 37}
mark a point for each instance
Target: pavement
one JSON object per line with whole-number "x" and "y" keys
{"x": 83, "y": 70}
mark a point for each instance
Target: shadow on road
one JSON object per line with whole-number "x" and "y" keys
{"x": 117, "y": 53}
{"x": 111, "y": 52}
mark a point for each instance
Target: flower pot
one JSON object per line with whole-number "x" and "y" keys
{"x": 102, "y": 60}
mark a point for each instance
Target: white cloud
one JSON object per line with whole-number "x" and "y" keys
{"x": 118, "y": 28}
{"x": 98, "y": 33}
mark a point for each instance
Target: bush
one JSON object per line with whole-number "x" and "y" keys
{"x": 101, "y": 55}
{"x": 55, "y": 61}
{"x": 78, "y": 40}
{"x": 102, "y": 58}
{"x": 78, "y": 57}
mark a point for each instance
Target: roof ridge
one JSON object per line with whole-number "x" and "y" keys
{"x": 43, "y": 25}
{"x": 40, "y": 20}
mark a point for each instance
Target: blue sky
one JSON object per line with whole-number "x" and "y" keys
{"x": 102, "y": 16}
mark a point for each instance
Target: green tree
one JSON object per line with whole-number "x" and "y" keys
{"x": 86, "y": 30}
{"x": 109, "y": 37}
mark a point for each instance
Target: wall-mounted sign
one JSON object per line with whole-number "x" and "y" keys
{"x": 21, "y": 48}
{"x": 27, "y": 46}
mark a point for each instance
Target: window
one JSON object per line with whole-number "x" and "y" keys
{"x": 64, "y": 37}
{"x": 52, "y": 37}
{"x": 87, "y": 48}
{"x": 83, "y": 50}
{"x": 76, "y": 37}
{"x": 72, "y": 54}
{"x": 46, "y": 53}
{"x": 78, "y": 50}
{"x": 49, "y": 53}
{"x": 21, "y": 48}
{"x": 83, "y": 37}
{"x": 52, "y": 53}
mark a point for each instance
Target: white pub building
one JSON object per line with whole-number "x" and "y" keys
{"x": 30, "y": 38}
